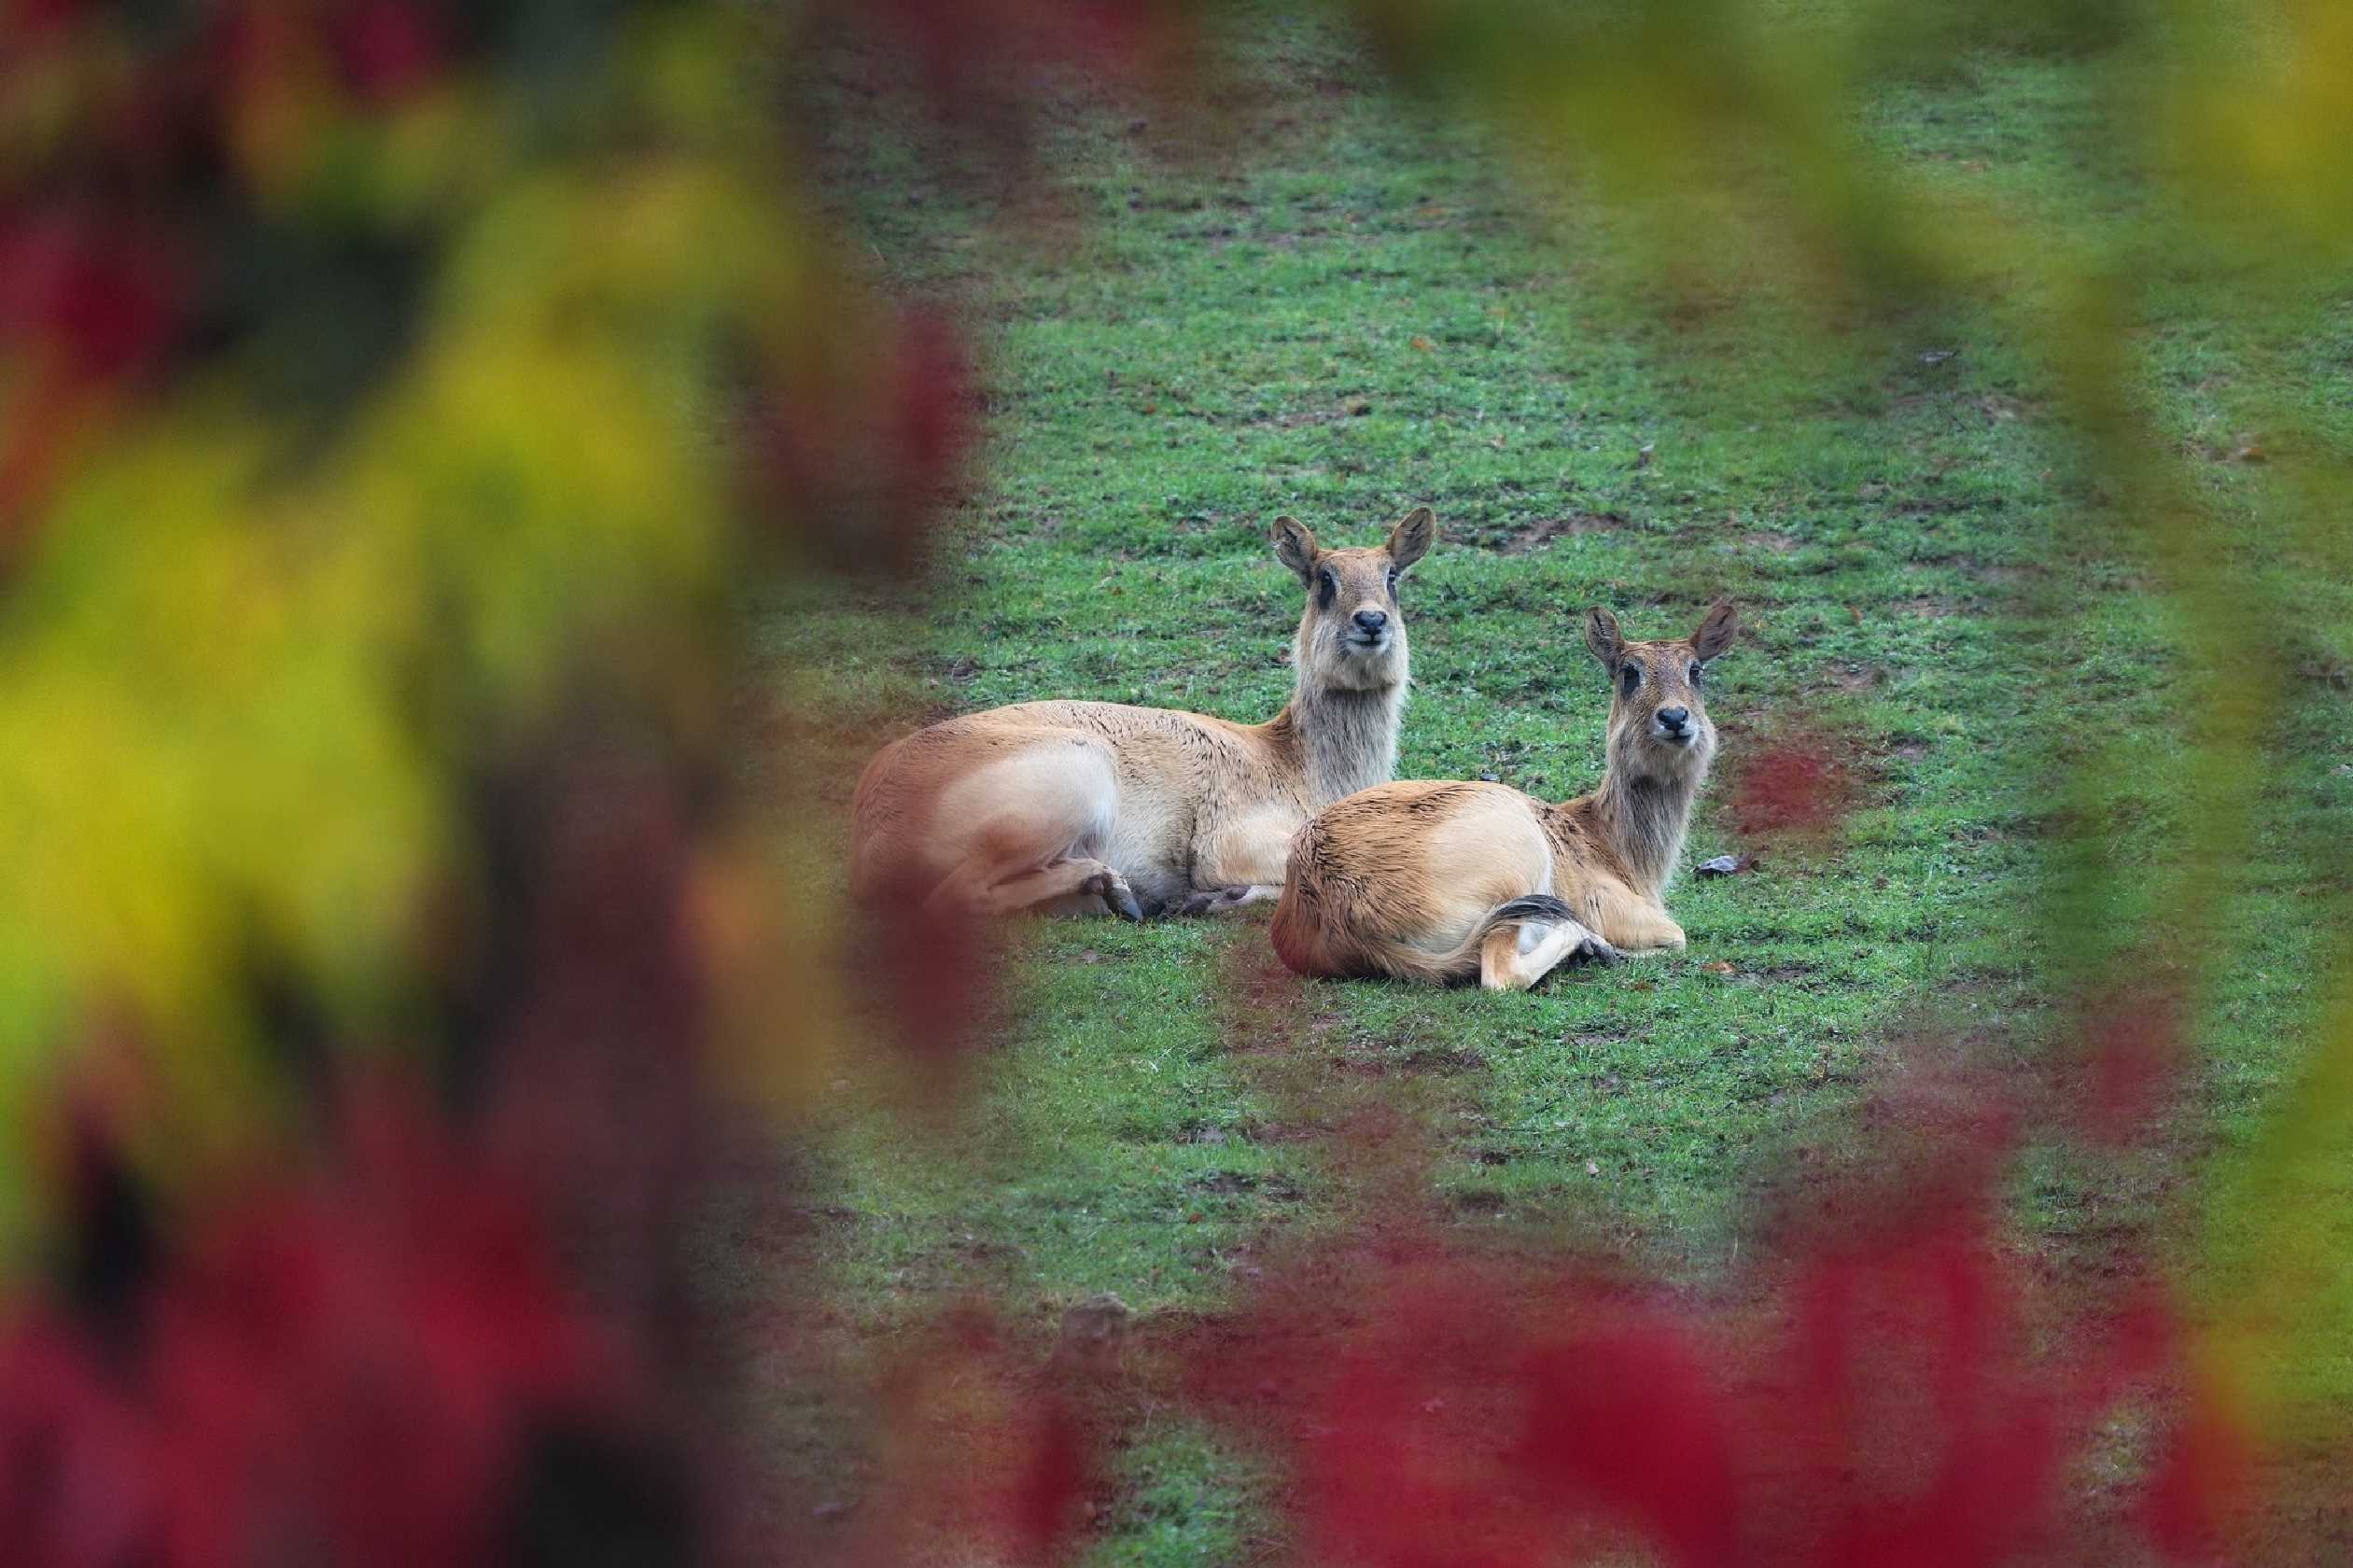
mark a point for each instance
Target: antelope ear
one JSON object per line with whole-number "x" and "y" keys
{"x": 1600, "y": 636}
{"x": 1294, "y": 546}
{"x": 1717, "y": 630}
{"x": 1411, "y": 538}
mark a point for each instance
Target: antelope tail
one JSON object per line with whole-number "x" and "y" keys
{"x": 1406, "y": 962}
{"x": 1462, "y": 959}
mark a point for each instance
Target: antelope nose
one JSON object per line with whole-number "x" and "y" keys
{"x": 1371, "y": 620}
{"x": 1676, "y": 717}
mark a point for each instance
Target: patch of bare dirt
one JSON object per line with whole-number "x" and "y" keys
{"x": 2325, "y": 670}
{"x": 1446, "y": 1061}
{"x": 2242, "y": 448}
{"x": 1281, "y": 1188}
{"x": 1857, "y": 677}
{"x": 2000, "y": 408}
{"x": 1286, "y": 1132}
{"x": 1535, "y": 535}
{"x": 1345, "y": 409}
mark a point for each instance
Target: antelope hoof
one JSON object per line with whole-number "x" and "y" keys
{"x": 1595, "y": 950}
{"x": 1215, "y": 901}
{"x": 1113, "y": 891}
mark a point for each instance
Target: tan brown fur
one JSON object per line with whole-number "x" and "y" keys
{"x": 1086, "y": 807}
{"x": 1441, "y": 882}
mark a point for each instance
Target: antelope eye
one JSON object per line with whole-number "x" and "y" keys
{"x": 1393, "y": 580}
{"x": 1629, "y": 678}
{"x": 1327, "y": 588}
{"x": 1695, "y": 673}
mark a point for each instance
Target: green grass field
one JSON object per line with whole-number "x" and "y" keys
{"x": 1355, "y": 309}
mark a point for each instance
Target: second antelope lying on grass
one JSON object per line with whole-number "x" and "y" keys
{"x": 1079, "y": 807}
{"x": 1439, "y": 882}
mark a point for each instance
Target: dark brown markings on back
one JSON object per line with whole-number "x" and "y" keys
{"x": 1437, "y": 801}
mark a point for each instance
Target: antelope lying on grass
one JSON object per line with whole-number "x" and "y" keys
{"x": 1079, "y": 807}
{"x": 1439, "y": 882}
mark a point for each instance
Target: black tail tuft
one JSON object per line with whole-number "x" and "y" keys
{"x": 1536, "y": 906}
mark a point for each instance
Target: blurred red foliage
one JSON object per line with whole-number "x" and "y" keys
{"x": 389, "y": 49}
{"x": 977, "y": 61}
{"x": 89, "y": 298}
{"x": 1055, "y": 1468}
{"x": 2135, "y": 1050}
{"x": 354, "y": 1358}
{"x": 355, "y": 1353}
{"x": 989, "y": 1451}
{"x": 936, "y": 968}
{"x": 1623, "y": 1422}
{"x": 103, "y": 293}
{"x": 1889, "y": 1386}
{"x": 861, "y": 456}
{"x": 79, "y": 1479}
{"x": 2199, "y": 1484}
{"x": 1798, "y": 784}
